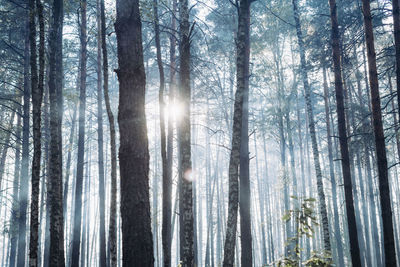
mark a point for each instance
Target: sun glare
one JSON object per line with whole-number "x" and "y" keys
{"x": 173, "y": 111}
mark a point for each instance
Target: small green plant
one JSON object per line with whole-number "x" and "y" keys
{"x": 305, "y": 222}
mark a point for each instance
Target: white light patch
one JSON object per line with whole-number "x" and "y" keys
{"x": 188, "y": 175}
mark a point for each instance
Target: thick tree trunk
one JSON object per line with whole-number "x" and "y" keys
{"x": 56, "y": 110}
{"x": 137, "y": 243}
{"x": 100, "y": 140}
{"x": 344, "y": 149}
{"x": 37, "y": 99}
{"x": 384, "y": 190}
{"x": 243, "y": 58}
{"x": 311, "y": 125}
{"x": 186, "y": 190}
{"x": 76, "y": 236}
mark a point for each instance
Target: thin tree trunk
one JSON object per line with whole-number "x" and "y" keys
{"x": 396, "y": 27}
{"x": 46, "y": 248}
{"x": 344, "y": 149}
{"x": 15, "y": 210}
{"x": 134, "y": 153}
{"x": 338, "y": 235}
{"x": 100, "y": 140}
{"x": 170, "y": 144}
{"x": 237, "y": 157}
{"x": 112, "y": 231}
{"x": 24, "y": 182}
{"x": 311, "y": 125}
{"x": 56, "y": 110}
{"x": 6, "y": 146}
{"x": 166, "y": 179}
{"x": 76, "y": 237}
{"x": 384, "y": 190}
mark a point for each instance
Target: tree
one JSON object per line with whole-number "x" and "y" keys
{"x": 24, "y": 182}
{"x": 185, "y": 172}
{"x": 137, "y": 239}
{"x": 311, "y": 125}
{"x": 166, "y": 178}
{"x": 239, "y": 153}
{"x": 384, "y": 190}
{"x": 100, "y": 141}
{"x": 396, "y": 28}
{"x": 56, "y": 110}
{"x": 112, "y": 231}
{"x": 242, "y": 76}
{"x": 37, "y": 84}
{"x": 344, "y": 149}
{"x": 76, "y": 237}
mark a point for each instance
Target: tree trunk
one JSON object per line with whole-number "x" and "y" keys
{"x": 6, "y": 146}
{"x": 37, "y": 98}
{"x": 396, "y": 26}
{"x": 384, "y": 190}
{"x": 24, "y": 182}
{"x": 112, "y": 231}
{"x": 56, "y": 111}
{"x": 186, "y": 190}
{"x": 46, "y": 247}
{"x": 338, "y": 235}
{"x": 243, "y": 58}
{"x": 344, "y": 149}
{"x": 311, "y": 125}
{"x": 102, "y": 191}
{"x": 170, "y": 136}
{"x": 166, "y": 179}
{"x": 239, "y": 153}
{"x": 134, "y": 153}
{"x": 76, "y": 237}
{"x": 14, "y": 210}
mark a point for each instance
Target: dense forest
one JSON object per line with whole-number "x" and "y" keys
{"x": 209, "y": 133}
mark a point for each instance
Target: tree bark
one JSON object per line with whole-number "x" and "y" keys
{"x": 243, "y": 59}
{"x": 137, "y": 243}
{"x": 6, "y": 146}
{"x": 56, "y": 111}
{"x": 186, "y": 190}
{"x": 384, "y": 190}
{"x": 239, "y": 153}
{"x": 311, "y": 125}
{"x": 15, "y": 210}
{"x": 37, "y": 99}
{"x": 166, "y": 178}
{"x": 100, "y": 140}
{"x": 344, "y": 149}
{"x": 76, "y": 237}
{"x": 112, "y": 229}
{"x": 396, "y": 28}
{"x": 338, "y": 234}
{"x": 24, "y": 182}
{"x": 170, "y": 135}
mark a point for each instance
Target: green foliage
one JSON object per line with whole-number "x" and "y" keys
{"x": 306, "y": 221}
{"x": 319, "y": 260}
